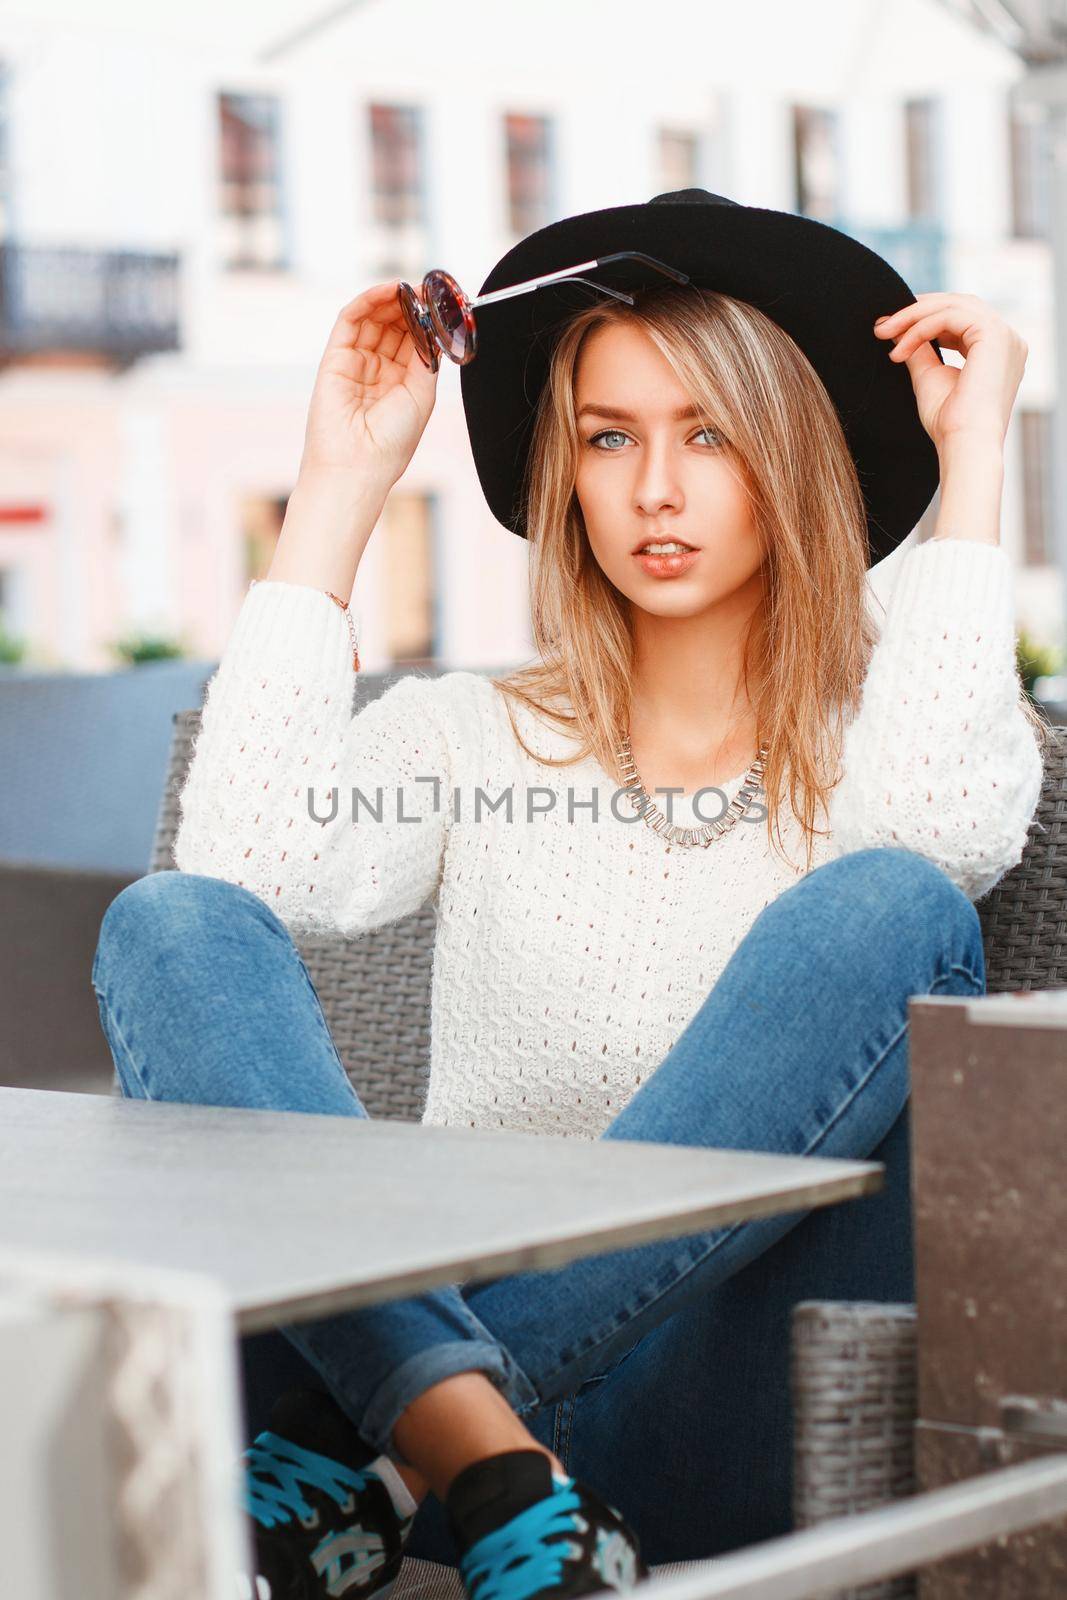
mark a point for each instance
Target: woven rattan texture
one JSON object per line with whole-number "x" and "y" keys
{"x": 1024, "y": 917}
{"x": 855, "y": 1399}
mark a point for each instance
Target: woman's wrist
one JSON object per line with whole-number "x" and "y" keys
{"x": 329, "y": 518}
{"x": 972, "y": 483}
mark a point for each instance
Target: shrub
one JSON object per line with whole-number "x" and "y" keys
{"x": 138, "y": 647}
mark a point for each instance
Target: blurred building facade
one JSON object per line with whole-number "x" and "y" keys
{"x": 179, "y": 225}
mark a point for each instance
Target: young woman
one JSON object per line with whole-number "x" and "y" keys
{"x": 740, "y": 983}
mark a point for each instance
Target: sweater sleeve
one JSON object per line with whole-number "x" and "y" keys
{"x": 331, "y": 817}
{"x": 940, "y": 758}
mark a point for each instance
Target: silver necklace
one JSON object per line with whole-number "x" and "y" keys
{"x": 708, "y": 832}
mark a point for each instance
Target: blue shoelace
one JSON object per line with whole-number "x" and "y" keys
{"x": 271, "y": 1503}
{"x": 515, "y": 1561}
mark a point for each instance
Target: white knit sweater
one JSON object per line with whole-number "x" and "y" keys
{"x": 570, "y": 953}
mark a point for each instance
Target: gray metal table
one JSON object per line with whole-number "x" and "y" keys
{"x": 294, "y": 1216}
{"x": 299, "y": 1216}
{"x": 279, "y": 1216}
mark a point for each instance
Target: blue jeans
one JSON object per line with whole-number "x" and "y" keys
{"x": 657, "y": 1373}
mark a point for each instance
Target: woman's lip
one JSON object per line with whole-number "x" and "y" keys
{"x": 666, "y": 566}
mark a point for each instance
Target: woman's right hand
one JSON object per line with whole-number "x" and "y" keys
{"x": 373, "y": 393}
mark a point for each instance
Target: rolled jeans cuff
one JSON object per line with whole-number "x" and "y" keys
{"x": 427, "y": 1367}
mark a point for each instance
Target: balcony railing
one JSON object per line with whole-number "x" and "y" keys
{"x": 117, "y": 304}
{"x": 916, "y": 249}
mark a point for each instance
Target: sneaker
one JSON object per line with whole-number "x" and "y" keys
{"x": 525, "y": 1533}
{"x": 326, "y": 1517}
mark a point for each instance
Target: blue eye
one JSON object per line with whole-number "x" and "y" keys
{"x": 606, "y": 433}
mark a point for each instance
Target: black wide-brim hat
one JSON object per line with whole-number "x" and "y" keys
{"x": 823, "y": 287}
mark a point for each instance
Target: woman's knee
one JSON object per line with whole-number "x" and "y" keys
{"x": 172, "y": 910}
{"x": 887, "y": 891}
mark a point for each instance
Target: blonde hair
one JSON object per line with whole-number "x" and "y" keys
{"x": 806, "y": 651}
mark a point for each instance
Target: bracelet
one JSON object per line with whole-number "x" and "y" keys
{"x": 351, "y": 628}
{"x": 348, "y": 618}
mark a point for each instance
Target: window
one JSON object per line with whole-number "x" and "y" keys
{"x": 1036, "y": 434}
{"x": 922, "y": 151}
{"x": 411, "y": 608}
{"x": 816, "y": 165}
{"x": 715, "y": 157}
{"x": 261, "y": 523}
{"x": 679, "y": 159}
{"x": 14, "y": 621}
{"x": 250, "y": 182}
{"x": 5, "y": 151}
{"x": 398, "y": 232}
{"x": 1030, "y": 163}
{"x": 529, "y": 159}
{"x": 396, "y": 165}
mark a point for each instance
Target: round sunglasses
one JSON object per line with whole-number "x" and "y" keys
{"x": 440, "y": 317}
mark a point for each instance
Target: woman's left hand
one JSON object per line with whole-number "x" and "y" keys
{"x": 975, "y": 399}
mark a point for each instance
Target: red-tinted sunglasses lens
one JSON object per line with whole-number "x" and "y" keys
{"x": 450, "y": 314}
{"x": 418, "y": 325}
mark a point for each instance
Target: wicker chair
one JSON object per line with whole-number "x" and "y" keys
{"x": 854, "y": 1364}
